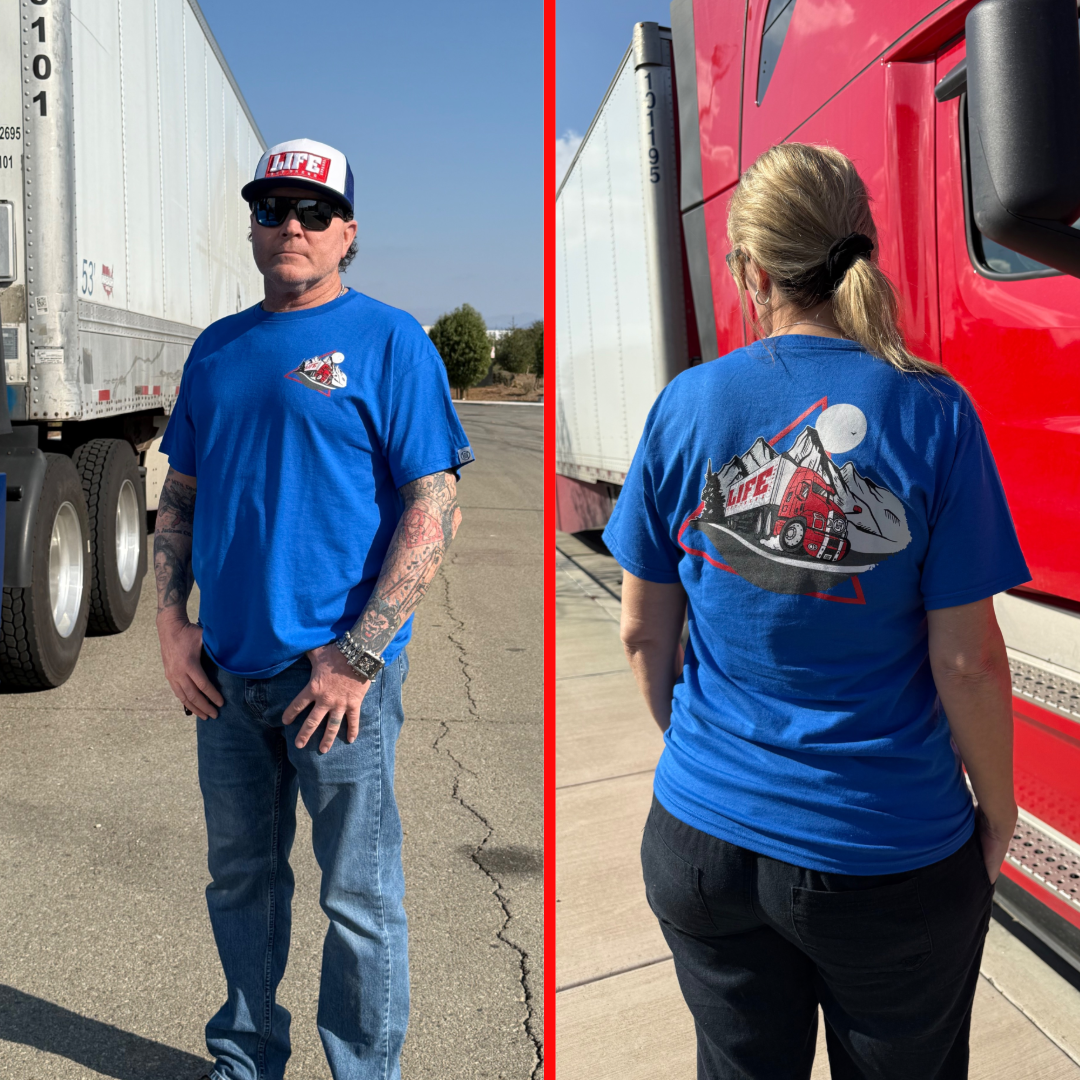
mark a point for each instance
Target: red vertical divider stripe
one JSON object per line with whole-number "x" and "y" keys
{"x": 549, "y": 1039}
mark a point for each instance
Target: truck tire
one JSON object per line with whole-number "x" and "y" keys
{"x": 791, "y": 536}
{"x": 42, "y": 627}
{"x": 116, "y": 505}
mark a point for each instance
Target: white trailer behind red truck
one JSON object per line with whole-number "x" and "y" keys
{"x": 619, "y": 279}
{"x": 124, "y": 142}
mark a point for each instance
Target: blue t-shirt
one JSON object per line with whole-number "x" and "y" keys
{"x": 300, "y": 427}
{"x": 815, "y": 502}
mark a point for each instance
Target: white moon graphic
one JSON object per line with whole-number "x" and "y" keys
{"x": 841, "y": 428}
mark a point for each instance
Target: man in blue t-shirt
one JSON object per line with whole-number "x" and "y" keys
{"x": 318, "y": 431}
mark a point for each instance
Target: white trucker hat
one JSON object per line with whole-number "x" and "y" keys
{"x": 303, "y": 163}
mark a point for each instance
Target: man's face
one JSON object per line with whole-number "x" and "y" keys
{"x": 290, "y": 255}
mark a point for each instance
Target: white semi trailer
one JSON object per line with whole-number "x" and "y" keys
{"x": 621, "y": 329}
{"x": 124, "y": 142}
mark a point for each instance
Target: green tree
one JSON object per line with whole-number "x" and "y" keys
{"x": 517, "y": 350}
{"x": 461, "y": 339}
{"x": 537, "y": 329}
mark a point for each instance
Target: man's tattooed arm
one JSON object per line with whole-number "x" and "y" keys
{"x": 172, "y": 543}
{"x": 423, "y": 534}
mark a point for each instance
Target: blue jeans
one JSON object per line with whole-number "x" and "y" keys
{"x": 250, "y": 772}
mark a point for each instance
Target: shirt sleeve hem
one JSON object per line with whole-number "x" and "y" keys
{"x": 178, "y": 461}
{"x": 646, "y": 573}
{"x": 977, "y": 592}
{"x": 407, "y": 476}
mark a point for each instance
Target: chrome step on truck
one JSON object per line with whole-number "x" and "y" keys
{"x": 124, "y": 142}
{"x": 1040, "y": 883}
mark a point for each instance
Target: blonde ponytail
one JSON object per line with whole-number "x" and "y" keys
{"x": 788, "y": 213}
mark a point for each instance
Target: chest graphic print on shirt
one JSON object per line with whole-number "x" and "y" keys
{"x": 322, "y": 373}
{"x": 797, "y": 521}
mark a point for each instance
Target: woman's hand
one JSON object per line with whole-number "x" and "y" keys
{"x": 995, "y": 837}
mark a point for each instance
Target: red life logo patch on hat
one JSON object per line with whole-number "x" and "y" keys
{"x": 297, "y": 163}
{"x": 302, "y": 163}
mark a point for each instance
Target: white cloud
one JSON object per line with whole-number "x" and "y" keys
{"x": 566, "y": 146}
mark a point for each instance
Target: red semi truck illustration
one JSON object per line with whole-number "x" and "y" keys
{"x": 792, "y": 504}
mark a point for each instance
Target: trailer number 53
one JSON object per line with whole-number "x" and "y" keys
{"x": 87, "y": 278}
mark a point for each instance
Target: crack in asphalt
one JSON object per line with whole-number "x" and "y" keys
{"x": 524, "y": 960}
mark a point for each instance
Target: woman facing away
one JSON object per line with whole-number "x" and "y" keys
{"x": 823, "y": 508}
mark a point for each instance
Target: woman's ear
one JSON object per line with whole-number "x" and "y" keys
{"x": 757, "y": 280}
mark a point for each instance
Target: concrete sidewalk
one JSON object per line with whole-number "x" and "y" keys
{"x": 620, "y": 1013}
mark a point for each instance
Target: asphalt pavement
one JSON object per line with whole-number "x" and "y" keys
{"x": 107, "y": 964}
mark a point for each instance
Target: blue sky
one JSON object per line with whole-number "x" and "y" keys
{"x": 591, "y": 37}
{"x": 439, "y": 108}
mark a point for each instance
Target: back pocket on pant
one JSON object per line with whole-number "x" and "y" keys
{"x": 879, "y": 929}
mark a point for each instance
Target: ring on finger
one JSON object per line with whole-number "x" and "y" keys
{"x": 334, "y": 721}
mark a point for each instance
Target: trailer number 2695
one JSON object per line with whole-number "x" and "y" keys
{"x": 87, "y": 288}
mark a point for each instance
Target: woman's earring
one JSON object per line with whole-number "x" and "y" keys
{"x": 759, "y": 301}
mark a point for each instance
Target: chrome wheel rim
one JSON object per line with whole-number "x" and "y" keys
{"x": 128, "y": 535}
{"x": 66, "y": 569}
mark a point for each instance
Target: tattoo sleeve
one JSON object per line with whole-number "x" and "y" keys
{"x": 172, "y": 542}
{"x": 416, "y": 552}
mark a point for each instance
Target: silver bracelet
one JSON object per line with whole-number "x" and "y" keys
{"x": 366, "y": 664}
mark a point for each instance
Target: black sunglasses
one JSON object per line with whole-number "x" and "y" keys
{"x": 732, "y": 258}
{"x": 313, "y": 214}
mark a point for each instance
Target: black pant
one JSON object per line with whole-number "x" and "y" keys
{"x": 893, "y": 960}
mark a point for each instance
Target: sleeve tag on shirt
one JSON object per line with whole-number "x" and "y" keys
{"x": 464, "y": 456}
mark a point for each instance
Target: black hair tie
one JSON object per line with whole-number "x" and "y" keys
{"x": 843, "y": 253}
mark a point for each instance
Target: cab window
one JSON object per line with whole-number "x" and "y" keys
{"x": 777, "y": 19}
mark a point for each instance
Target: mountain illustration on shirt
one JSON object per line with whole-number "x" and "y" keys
{"x": 322, "y": 373}
{"x": 796, "y": 521}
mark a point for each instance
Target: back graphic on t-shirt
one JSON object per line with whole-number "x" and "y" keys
{"x": 814, "y": 503}
{"x": 798, "y": 520}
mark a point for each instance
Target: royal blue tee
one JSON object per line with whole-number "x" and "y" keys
{"x": 300, "y": 427}
{"x": 815, "y": 503}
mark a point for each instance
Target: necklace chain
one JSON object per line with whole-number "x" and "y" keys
{"x": 806, "y": 322}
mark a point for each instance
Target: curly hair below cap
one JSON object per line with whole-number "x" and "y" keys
{"x": 349, "y": 255}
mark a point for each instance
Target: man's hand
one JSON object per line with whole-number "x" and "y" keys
{"x": 181, "y": 649}
{"x": 335, "y": 693}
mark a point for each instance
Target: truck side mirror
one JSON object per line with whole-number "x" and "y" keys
{"x": 1023, "y": 86}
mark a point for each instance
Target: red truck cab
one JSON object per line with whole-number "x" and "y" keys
{"x": 810, "y": 518}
